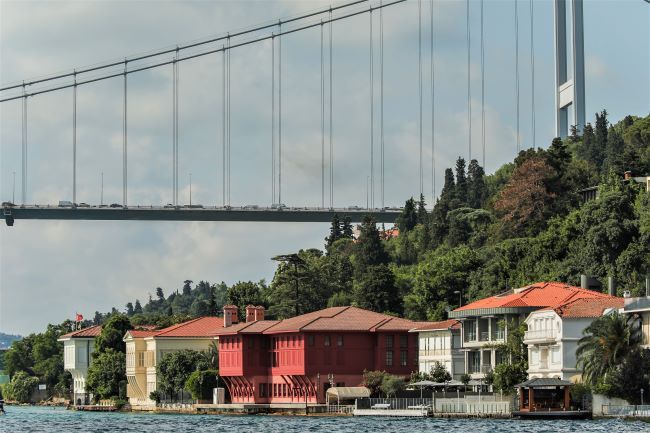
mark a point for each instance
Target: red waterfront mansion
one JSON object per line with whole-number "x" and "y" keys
{"x": 296, "y": 360}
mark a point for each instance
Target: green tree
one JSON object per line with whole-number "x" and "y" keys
{"x": 439, "y": 373}
{"x": 604, "y": 345}
{"x": 21, "y": 387}
{"x": 461, "y": 182}
{"x": 106, "y": 373}
{"x": 373, "y": 380}
{"x": 112, "y": 334}
{"x": 159, "y": 294}
{"x": 375, "y": 290}
{"x": 200, "y": 384}
{"x": 175, "y": 368}
{"x": 369, "y": 250}
{"x": 245, "y": 293}
{"x": 391, "y": 385}
{"x": 187, "y": 287}
{"x": 137, "y": 309}
{"x": 476, "y": 188}
{"x": 422, "y": 216}
{"x": 346, "y": 228}
{"x": 335, "y": 232}
{"x": 407, "y": 220}
{"x": 508, "y": 374}
{"x": 129, "y": 309}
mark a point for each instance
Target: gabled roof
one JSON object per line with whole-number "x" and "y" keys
{"x": 539, "y": 382}
{"x": 90, "y": 332}
{"x": 256, "y": 327}
{"x": 438, "y": 326}
{"x": 141, "y": 333}
{"x": 201, "y": 327}
{"x": 345, "y": 319}
{"x": 587, "y": 307}
{"x": 534, "y": 296}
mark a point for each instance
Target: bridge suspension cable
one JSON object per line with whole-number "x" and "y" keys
{"x": 24, "y": 150}
{"x": 532, "y": 71}
{"x": 420, "y": 90}
{"x": 180, "y": 47}
{"x": 433, "y": 112}
{"x": 223, "y": 124}
{"x": 482, "y": 89}
{"x": 322, "y": 116}
{"x": 192, "y": 56}
{"x": 228, "y": 116}
{"x": 331, "y": 120}
{"x": 469, "y": 88}
{"x": 273, "y": 119}
{"x": 279, "y": 112}
{"x": 381, "y": 93}
{"x": 74, "y": 143}
{"x": 372, "y": 118}
{"x": 175, "y": 133}
{"x": 517, "y": 71}
{"x": 124, "y": 141}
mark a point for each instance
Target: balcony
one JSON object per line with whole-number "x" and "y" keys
{"x": 438, "y": 352}
{"x": 540, "y": 335}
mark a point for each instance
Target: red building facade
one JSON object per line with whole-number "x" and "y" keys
{"x": 296, "y": 360}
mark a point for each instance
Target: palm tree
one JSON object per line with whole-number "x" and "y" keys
{"x": 606, "y": 342}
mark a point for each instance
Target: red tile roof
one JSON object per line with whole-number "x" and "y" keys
{"x": 544, "y": 294}
{"x": 328, "y": 319}
{"x": 197, "y": 328}
{"x": 587, "y": 307}
{"x": 141, "y": 333}
{"x": 443, "y": 325}
{"x": 92, "y": 331}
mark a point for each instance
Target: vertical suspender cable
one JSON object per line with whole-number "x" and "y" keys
{"x": 223, "y": 124}
{"x": 420, "y": 86}
{"x": 229, "y": 117}
{"x": 272, "y": 118}
{"x": 178, "y": 103}
{"x": 174, "y": 131}
{"x": 381, "y": 97}
{"x": 372, "y": 119}
{"x": 532, "y": 70}
{"x": 469, "y": 89}
{"x": 322, "y": 117}
{"x": 433, "y": 115}
{"x": 280, "y": 112}
{"x": 517, "y": 71}
{"x": 24, "y": 148}
{"x": 124, "y": 143}
{"x": 331, "y": 122}
{"x": 482, "y": 89}
{"x": 74, "y": 140}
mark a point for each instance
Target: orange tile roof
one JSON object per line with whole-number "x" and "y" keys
{"x": 208, "y": 326}
{"x": 141, "y": 333}
{"x": 92, "y": 331}
{"x": 587, "y": 307}
{"x": 442, "y": 325}
{"x": 543, "y": 294}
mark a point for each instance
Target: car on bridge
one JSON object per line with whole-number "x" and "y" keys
{"x": 66, "y": 203}
{"x": 8, "y": 204}
{"x": 278, "y": 206}
{"x": 116, "y": 205}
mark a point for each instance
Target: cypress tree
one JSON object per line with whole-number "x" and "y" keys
{"x": 346, "y": 231}
{"x": 408, "y": 218}
{"x": 476, "y": 189}
{"x": 369, "y": 249}
{"x": 461, "y": 181}
{"x": 137, "y": 309}
{"x": 422, "y": 210}
{"x": 335, "y": 232}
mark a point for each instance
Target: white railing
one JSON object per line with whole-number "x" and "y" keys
{"x": 486, "y": 405}
{"x": 540, "y": 334}
{"x": 340, "y": 408}
{"x": 626, "y": 410}
{"x": 400, "y": 403}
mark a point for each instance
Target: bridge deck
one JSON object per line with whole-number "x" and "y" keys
{"x": 151, "y": 213}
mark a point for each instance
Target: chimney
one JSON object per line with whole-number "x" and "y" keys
{"x": 259, "y": 313}
{"x": 250, "y": 313}
{"x": 611, "y": 283}
{"x": 584, "y": 282}
{"x": 229, "y": 315}
{"x": 627, "y": 175}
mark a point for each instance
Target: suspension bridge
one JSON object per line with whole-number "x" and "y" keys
{"x": 569, "y": 93}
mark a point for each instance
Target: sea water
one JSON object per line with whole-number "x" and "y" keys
{"x": 48, "y": 419}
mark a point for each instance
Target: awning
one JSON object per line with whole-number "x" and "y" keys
{"x": 540, "y": 382}
{"x": 348, "y": 392}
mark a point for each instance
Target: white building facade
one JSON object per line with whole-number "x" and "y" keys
{"x": 553, "y": 334}
{"x": 78, "y": 348}
{"x": 441, "y": 342}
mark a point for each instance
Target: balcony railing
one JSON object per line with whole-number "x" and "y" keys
{"x": 470, "y": 336}
{"x": 436, "y": 352}
{"x": 540, "y": 334}
{"x": 485, "y": 336}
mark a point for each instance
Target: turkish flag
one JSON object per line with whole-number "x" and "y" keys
{"x": 79, "y": 317}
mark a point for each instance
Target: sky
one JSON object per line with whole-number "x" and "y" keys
{"x": 51, "y": 269}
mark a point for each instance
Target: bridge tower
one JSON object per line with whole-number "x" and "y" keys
{"x": 569, "y": 91}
